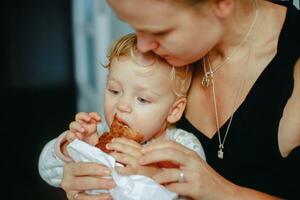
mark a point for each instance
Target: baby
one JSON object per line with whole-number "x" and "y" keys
{"x": 146, "y": 93}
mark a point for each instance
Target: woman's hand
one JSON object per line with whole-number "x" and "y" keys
{"x": 128, "y": 152}
{"x": 79, "y": 177}
{"x": 197, "y": 181}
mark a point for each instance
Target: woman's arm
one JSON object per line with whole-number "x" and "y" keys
{"x": 200, "y": 180}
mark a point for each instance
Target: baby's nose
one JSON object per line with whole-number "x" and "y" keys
{"x": 124, "y": 106}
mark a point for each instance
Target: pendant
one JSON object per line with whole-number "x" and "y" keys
{"x": 220, "y": 152}
{"x": 206, "y": 80}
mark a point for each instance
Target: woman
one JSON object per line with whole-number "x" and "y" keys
{"x": 243, "y": 104}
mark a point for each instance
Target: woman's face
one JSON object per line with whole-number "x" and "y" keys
{"x": 180, "y": 34}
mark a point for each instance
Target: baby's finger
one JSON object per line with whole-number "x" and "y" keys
{"x": 126, "y": 141}
{"x": 125, "y": 159}
{"x": 89, "y": 128}
{"x": 83, "y": 116}
{"x": 76, "y": 127}
{"x": 95, "y": 116}
{"x": 70, "y": 136}
{"x": 124, "y": 148}
{"x": 92, "y": 139}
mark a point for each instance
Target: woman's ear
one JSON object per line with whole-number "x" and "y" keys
{"x": 176, "y": 110}
{"x": 223, "y": 8}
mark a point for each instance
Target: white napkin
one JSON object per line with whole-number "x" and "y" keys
{"x": 133, "y": 187}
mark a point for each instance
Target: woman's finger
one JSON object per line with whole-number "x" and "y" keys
{"x": 169, "y": 154}
{"x": 125, "y": 170}
{"x": 103, "y": 196}
{"x": 177, "y": 180}
{"x": 173, "y": 175}
{"x": 168, "y": 176}
{"x": 84, "y": 176}
{"x": 93, "y": 182}
{"x": 85, "y": 169}
{"x": 165, "y": 144}
{"x": 75, "y": 195}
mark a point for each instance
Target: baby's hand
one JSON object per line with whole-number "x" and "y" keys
{"x": 84, "y": 128}
{"x": 128, "y": 152}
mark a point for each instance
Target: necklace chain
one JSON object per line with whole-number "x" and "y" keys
{"x": 208, "y": 75}
{"x": 209, "y": 78}
{"x": 221, "y": 143}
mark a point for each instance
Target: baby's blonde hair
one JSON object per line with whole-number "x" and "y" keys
{"x": 180, "y": 77}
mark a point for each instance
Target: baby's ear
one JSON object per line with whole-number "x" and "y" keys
{"x": 176, "y": 110}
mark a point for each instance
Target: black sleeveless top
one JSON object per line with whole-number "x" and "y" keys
{"x": 251, "y": 154}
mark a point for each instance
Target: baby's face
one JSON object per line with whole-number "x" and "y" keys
{"x": 140, "y": 96}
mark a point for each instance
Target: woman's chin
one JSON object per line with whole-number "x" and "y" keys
{"x": 175, "y": 62}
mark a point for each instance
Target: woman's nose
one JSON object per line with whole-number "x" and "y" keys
{"x": 146, "y": 42}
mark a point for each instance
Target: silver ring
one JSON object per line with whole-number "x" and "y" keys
{"x": 181, "y": 177}
{"x": 75, "y": 196}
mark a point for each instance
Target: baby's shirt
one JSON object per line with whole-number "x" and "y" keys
{"x": 52, "y": 161}
{"x": 186, "y": 139}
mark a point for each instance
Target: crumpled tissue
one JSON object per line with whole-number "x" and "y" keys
{"x": 132, "y": 187}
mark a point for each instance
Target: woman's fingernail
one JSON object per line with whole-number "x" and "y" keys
{"x": 108, "y": 146}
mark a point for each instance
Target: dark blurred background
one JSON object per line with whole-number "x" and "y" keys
{"x": 38, "y": 94}
{"x": 37, "y": 90}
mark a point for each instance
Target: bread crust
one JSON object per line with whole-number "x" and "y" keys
{"x": 118, "y": 129}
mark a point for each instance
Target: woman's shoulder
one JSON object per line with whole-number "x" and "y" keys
{"x": 289, "y": 39}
